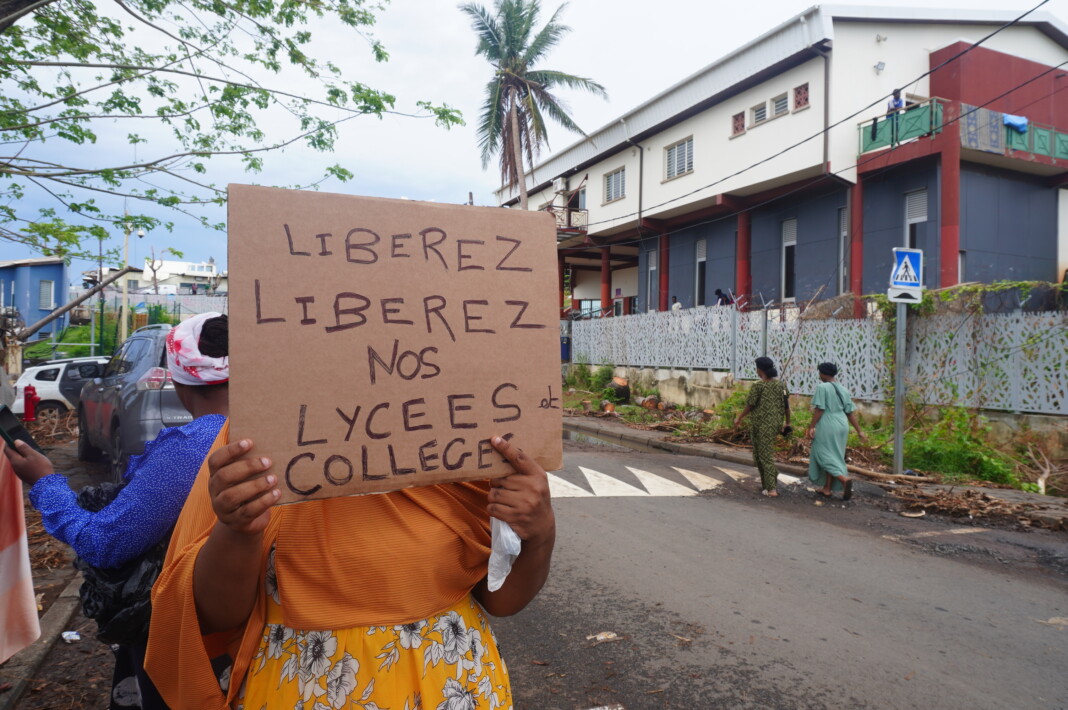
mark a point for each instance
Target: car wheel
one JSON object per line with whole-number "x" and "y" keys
{"x": 118, "y": 458}
{"x": 86, "y": 451}
{"x": 49, "y": 412}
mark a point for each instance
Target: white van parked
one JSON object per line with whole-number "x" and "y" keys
{"x": 58, "y": 384}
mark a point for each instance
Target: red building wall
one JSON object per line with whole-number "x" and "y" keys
{"x": 983, "y": 74}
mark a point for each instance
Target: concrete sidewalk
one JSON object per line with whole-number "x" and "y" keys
{"x": 1049, "y": 512}
{"x": 20, "y": 669}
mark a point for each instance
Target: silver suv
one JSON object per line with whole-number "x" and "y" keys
{"x": 130, "y": 403}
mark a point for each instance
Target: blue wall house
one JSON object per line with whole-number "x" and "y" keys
{"x": 34, "y": 288}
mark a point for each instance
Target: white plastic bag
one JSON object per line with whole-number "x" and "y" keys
{"x": 505, "y": 548}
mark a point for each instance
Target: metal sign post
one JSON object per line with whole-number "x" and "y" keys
{"x": 906, "y": 286}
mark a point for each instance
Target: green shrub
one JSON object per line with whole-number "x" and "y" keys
{"x": 601, "y": 378}
{"x": 957, "y": 446}
{"x": 580, "y": 376}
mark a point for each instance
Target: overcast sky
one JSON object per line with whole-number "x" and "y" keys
{"x": 635, "y": 48}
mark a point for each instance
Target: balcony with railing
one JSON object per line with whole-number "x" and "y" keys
{"x": 889, "y": 130}
{"x": 981, "y": 129}
{"x": 569, "y": 220}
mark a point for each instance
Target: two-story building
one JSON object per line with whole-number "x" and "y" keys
{"x": 781, "y": 172}
{"x": 171, "y": 277}
{"x": 30, "y": 289}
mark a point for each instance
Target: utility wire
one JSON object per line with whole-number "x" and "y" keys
{"x": 833, "y": 125}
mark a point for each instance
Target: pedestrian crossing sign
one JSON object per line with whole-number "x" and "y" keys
{"x": 906, "y": 280}
{"x": 908, "y": 268}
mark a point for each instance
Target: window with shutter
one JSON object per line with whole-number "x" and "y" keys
{"x": 915, "y": 215}
{"x": 701, "y": 272}
{"x": 789, "y": 249}
{"x": 680, "y": 158}
{"x": 781, "y": 104}
{"x": 760, "y": 113}
{"x": 46, "y": 295}
{"x": 843, "y": 250}
{"x": 615, "y": 185}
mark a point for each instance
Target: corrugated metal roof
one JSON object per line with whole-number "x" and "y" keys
{"x": 808, "y": 29}
{"x": 34, "y": 261}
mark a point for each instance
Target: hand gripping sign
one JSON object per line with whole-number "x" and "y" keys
{"x": 379, "y": 344}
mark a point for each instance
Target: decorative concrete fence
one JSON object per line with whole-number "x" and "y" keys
{"x": 1014, "y": 362}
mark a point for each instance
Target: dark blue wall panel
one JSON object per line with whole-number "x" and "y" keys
{"x": 1008, "y": 226}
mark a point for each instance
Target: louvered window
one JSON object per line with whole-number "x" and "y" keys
{"x": 701, "y": 272}
{"x": 781, "y": 104}
{"x": 843, "y": 250}
{"x": 615, "y": 185}
{"x": 915, "y": 215}
{"x": 789, "y": 249}
{"x": 46, "y": 299}
{"x": 680, "y": 158}
{"x": 760, "y": 113}
{"x": 916, "y": 206}
{"x": 652, "y": 284}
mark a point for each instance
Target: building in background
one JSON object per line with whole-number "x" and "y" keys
{"x": 171, "y": 277}
{"x": 30, "y": 289}
{"x": 781, "y": 173}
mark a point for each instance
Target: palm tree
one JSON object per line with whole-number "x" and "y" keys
{"x": 518, "y": 96}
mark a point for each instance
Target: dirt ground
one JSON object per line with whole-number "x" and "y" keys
{"x": 76, "y": 674}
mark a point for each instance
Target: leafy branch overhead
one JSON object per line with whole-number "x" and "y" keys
{"x": 133, "y": 98}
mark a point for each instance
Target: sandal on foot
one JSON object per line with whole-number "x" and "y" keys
{"x": 848, "y": 492}
{"x": 769, "y": 494}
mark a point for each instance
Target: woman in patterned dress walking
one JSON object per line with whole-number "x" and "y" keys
{"x": 769, "y": 402}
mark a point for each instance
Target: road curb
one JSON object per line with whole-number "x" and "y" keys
{"x": 672, "y": 447}
{"x": 23, "y": 666}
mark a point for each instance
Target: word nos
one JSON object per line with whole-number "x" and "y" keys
{"x": 351, "y": 309}
{"x": 380, "y": 421}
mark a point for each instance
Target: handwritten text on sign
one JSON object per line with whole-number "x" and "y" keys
{"x": 379, "y": 344}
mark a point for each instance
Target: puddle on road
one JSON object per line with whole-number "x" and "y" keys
{"x": 588, "y": 439}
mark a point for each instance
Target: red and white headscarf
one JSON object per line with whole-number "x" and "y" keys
{"x": 187, "y": 365}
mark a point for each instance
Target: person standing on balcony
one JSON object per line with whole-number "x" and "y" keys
{"x": 723, "y": 299}
{"x": 769, "y": 401}
{"x": 893, "y": 107}
{"x": 675, "y": 305}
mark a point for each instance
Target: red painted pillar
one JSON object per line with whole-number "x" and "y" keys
{"x": 949, "y": 251}
{"x": 743, "y": 278}
{"x": 665, "y": 265}
{"x": 606, "y": 279}
{"x": 856, "y": 246}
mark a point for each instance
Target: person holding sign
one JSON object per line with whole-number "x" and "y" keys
{"x": 373, "y": 600}
{"x": 116, "y": 543}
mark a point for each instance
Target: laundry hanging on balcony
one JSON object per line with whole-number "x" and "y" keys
{"x": 1017, "y": 123}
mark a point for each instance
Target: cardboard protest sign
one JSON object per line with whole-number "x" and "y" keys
{"x": 378, "y": 344}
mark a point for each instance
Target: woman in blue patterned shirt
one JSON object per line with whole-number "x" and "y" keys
{"x": 156, "y": 483}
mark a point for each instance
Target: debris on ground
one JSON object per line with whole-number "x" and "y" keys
{"x": 965, "y": 503}
{"x": 49, "y": 431}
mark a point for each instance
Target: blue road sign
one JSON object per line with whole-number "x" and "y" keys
{"x": 908, "y": 269}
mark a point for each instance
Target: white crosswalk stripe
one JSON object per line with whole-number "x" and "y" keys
{"x": 605, "y": 486}
{"x": 660, "y": 486}
{"x": 700, "y": 480}
{"x": 559, "y": 488}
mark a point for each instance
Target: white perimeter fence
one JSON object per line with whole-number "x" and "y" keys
{"x": 1008, "y": 361}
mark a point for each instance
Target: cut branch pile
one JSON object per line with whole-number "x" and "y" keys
{"x": 54, "y": 430}
{"x": 46, "y": 552}
{"x": 968, "y": 503}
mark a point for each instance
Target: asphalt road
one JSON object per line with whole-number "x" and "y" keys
{"x": 727, "y": 599}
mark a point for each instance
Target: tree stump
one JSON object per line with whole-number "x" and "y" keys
{"x": 650, "y": 402}
{"x": 620, "y": 389}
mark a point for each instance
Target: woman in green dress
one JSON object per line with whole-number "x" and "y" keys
{"x": 769, "y": 401}
{"x": 833, "y": 412}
